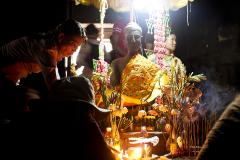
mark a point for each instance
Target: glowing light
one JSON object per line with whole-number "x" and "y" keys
{"x": 109, "y": 129}
{"x": 120, "y": 155}
{"x": 150, "y": 5}
{"x": 73, "y": 57}
{"x": 143, "y": 128}
{"x": 139, "y": 4}
{"x": 79, "y": 71}
{"x": 117, "y": 147}
{"x": 134, "y": 153}
{"x": 147, "y": 150}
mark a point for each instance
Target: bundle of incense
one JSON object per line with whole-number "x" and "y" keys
{"x": 113, "y": 149}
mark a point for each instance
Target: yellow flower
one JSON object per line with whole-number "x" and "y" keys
{"x": 118, "y": 113}
{"x": 163, "y": 108}
{"x": 173, "y": 148}
{"x": 164, "y": 80}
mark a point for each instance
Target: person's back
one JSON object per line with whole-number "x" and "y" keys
{"x": 119, "y": 48}
{"x": 114, "y": 53}
{"x": 222, "y": 140}
{"x": 70, "y": 109}
{"x": 89, "y": 51}
{"x": 67, "y": 127}
{"x": 56, "y": 130}
{"x": 61, "y": 126}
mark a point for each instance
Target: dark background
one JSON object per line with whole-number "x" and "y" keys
{"x": 198, "y": 44}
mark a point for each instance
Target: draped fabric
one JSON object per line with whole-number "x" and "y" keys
{"x": 139, "y": 82}
{"x": 139, "y": 77}
{"x": 124, "y": 5}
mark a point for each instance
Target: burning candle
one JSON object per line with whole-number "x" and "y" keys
{"x": 109, "y": 129}
{"x": 134, "y": 153}
{"x": 147, "y": 150}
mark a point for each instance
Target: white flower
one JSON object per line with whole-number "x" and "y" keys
{"x": 124, "y": 110}
{"x": 142, "y": 113}
{"x": 174, "y": 112}
{"x": 179, "y": 142}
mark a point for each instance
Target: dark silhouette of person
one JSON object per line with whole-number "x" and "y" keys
{"x": 89, "y": 51}
{"x": 63, "y": 126}
{"x": 223, "y": 138}
{"x": 224, "y": 134}
{"x": 117, "y": 39}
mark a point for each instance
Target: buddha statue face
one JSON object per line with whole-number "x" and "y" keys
{"x": 133, "y": 35}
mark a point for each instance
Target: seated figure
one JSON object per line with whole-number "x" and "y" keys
{"x": 139, "y": 79}
{"x": 169, "y": 59}
{"x": 135, "y": 75}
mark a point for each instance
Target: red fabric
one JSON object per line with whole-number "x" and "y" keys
{"x": 118, "y": 28}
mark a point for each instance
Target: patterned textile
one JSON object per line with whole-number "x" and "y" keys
{"x": 139, "y": 77}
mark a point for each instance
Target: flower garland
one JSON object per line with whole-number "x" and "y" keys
{"x": 159, "y": 21}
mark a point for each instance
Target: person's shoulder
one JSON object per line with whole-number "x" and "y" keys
{"x": 93, "y": 42}
{"x": 85, "y": 47}
{"x": 177, "y": 58}
{"x": 232, "y": 111}
{"x": 18, "y": 41}
{"x": 36, "y": 42}
{"x": 236, "y": 102}
{"x": 237, "y": 99}
{"x": 117, "y": 61}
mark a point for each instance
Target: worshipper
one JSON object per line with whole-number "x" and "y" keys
{"x": 169, "y": 58}
{"x": 223, "y": 138}
{"x": 32, "y": 54}
{"x": 117, "y": 39}
{"x": 89, "y": 51}
{"x": 63, "y": 126}
{"x": 113, "y": 54}
{"x": 40, "y": 52}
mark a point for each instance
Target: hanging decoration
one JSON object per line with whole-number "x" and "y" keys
{"x": 100, "y": 66}
{"x": 150, "y": 22}
{"x": 159, "y": 21}
{"x": 102, "y": 10}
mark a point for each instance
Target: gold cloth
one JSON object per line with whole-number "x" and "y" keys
{"x": 139, "y": 83}
{"x": 139, "y": 78}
